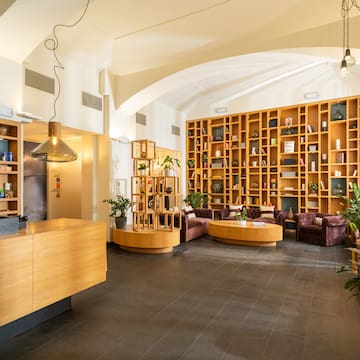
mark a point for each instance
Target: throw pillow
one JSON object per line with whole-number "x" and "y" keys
{"x": 267, "y": 212}
{"x": 188, "y": 209}
{"x": 318, "y": 221}
{"x": 235, "y": 209}
{"x": 191, "y": 215}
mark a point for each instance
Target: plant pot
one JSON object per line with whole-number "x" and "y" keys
{"x": 169, "y": 172}
{"x": 242, "y": 222}
{"x": 142, "y": 172}
{"x": 120, "y": 222}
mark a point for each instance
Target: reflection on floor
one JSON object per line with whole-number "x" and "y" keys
{"x": 207, "y": 301}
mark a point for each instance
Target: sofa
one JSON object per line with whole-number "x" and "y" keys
{"x": 267, "y": 214}
{"x": 195, "y": 223}
{"x": 320, "y": 228}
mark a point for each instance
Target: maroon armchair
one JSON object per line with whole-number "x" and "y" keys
{"x": 320, "y": 229}
{"x": 193, "y": 227}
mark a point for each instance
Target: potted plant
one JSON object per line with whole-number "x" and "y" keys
{"x": 119, "y": 208}
{"x": 352, "y": 212}
{"x": 196, "y": 199}
{"x": 142, "y": 169}
{"x": 191, "y": 163}
{"x": 169, "y": 164}
{"x": 241, "y": 216}
{"x": 204, "y": 160}
{"x": 313, "y": 187}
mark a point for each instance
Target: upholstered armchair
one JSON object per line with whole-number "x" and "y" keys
{"x": 320, "y": 229}
{"x": 195, "y": 223}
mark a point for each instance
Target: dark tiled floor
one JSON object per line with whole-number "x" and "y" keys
{"x": 207, "y": 301}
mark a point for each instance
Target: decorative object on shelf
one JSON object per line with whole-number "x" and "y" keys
{"x": 169, "y": 164}
{"x": 314, "y": 188}
{"x": 255, "y": 133}
{"x": 288, "y": 121}
{"x": 217, "y": 187}
{"x": 290, "y": 214}
{"x": 273, "y": 183}
{"x": 217, "y": 153}
{"x": 324, "y": 158}
{"x": 338, "y": 111}
{"x": 191, "y": 163}
{"x": 337, "y": 144}
{"x": 204, "y": 159}
{"x": 196, "y": 199}
{"x": 4, "y": 130}
{"x": 235, "y": 163}
{"x": 338, "y": 190}
{"x": 54, "y": 148}
{"x": 142, "y": 169}
{"x": 168, "y": 189}
{"x": 324, "y": 125}
{"x": 119, "y": 209}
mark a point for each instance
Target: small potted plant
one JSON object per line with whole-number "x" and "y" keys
{"x": 191, "y": 163}
{"x": 142, "y": 169}
{"x": 313, "y": 187}
{"x": 119, "y": 208}
{"x": 196, "y": 199}
{"x": 169, "y": 164}
{"x": 242, "y": 216}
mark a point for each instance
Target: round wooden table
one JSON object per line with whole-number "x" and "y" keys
{"x": 231, "y": 232}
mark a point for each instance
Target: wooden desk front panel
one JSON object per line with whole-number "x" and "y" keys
{"x": 68, "y": 261}
{"x": 15, "y": 278}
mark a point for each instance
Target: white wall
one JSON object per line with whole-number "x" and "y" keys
{"x": 75, "y": 78}
{"x": 11, "y": 75}
{"x": 159, "y": 119}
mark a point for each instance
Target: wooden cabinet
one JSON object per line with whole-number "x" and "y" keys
{"x": 10, "y": 168}
{"x": 300, "y": 156}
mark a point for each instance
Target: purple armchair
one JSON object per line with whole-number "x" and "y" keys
{"x": 320, "y": 229}
{"x": 193, "y": 227}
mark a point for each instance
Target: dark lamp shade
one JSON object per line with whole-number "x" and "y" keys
{"x": 54, "y": 149}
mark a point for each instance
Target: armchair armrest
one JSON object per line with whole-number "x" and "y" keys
{"x": 205, "y": 213}
{"x": 280, "y": 216}
{"x": 335, "y": 220}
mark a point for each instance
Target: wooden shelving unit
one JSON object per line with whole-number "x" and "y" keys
{"x": 273, "y": 155}
{"x": 10, "y": 168}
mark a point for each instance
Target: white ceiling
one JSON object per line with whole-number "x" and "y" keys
{"x": 133, "y": 37}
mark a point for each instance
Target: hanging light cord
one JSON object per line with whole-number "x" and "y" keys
{"x": 52, "y": 44}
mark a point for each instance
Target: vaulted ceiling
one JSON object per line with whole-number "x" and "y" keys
{"x": 143, "y": 41}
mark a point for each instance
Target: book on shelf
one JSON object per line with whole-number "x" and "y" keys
{"x": 354, "y": 172}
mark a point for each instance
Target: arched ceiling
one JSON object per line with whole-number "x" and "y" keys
{"x": 144, "y": 41}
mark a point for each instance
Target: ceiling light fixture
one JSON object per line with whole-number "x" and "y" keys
{"x": 54, "y": 149}
{"x": 347, "y": 60}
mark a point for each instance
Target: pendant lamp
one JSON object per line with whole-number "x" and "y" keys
{"x": 54, "y": 149}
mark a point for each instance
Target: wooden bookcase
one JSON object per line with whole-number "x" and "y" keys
{"x": 274, "y": 155}
{"x": 10, "y": 168}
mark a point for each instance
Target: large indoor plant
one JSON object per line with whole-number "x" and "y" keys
{"x": 169, "y": 164}
{"x": 351, "y": 211}
{"x": 196, "y": 199}
{"x": 119, "y": 208}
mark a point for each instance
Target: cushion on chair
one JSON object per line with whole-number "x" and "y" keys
{"x": 191, "y": 215}
{"x": 189, "y": 212}
{"x": 267, "y": 212}
{"x": 318, "y": 221}
{"x": 235, "y": 209}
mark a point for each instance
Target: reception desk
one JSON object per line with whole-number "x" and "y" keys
{"x": 49, "y": 261}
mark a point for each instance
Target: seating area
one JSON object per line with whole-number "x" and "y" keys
{"x": 267, "y": 214}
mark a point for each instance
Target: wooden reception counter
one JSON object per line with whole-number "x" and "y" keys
{"x": 49, "y": 261}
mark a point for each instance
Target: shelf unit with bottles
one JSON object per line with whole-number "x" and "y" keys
{"x": 10, "y": 168}
{"x": 278, "y": 156}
